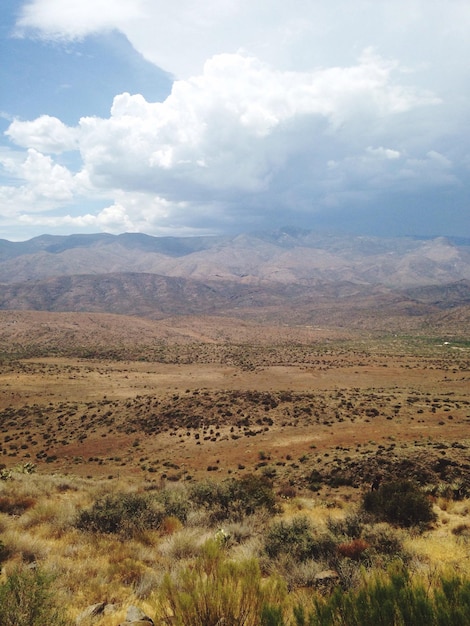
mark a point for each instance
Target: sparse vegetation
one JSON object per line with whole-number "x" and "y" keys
{"x": 121, "y": 514}
{"x": 27, "y": 599}
{"x": 105, "y": 491}
{"x": 401, "y": 502}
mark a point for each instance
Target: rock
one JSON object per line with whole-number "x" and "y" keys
{"x": 326, "y": 579}
{"x": 91, "y": 611}
{"x": 136, "y": 617}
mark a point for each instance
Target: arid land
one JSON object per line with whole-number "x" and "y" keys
{"x": 175, "y": 400}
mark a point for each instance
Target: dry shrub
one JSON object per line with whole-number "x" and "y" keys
{"x": 462, "y": 532}
{"x": 144, "y": 587}
{"x": 127, "y": 571}
{"x": 386, "y": 540}
{"x": 185, "y": 544}
{"x": 12, "y": 505}
{"x": 353, "y": 549}
{"x": 215, "y": 591}
{"x": 170, "y": 525}
{"x": 24, "y": 546}
{"x": 54, "y": 516}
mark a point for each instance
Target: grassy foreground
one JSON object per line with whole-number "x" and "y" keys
{"x": 230, "y": 552}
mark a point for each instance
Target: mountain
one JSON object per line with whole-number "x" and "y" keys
{"x": 286, "y": 276}
{"x": 286, "y": 256}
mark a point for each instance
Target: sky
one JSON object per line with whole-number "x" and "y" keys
{"x": 225, "y": 116}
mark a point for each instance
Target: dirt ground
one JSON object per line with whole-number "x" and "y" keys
{"x": 286, "y": 419}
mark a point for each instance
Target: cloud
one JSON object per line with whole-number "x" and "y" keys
{"x": 45, "y": 134}
{"x": 235, "y": 125}
{"x": 281, "y": 111}
{"x": 74, "y": 20}
{"x": 239, "y": 139}
{"x": 296, "y": 35}
{"x": 41, "y": 184}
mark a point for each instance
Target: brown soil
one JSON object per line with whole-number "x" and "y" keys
{"x": 300, "y": 411}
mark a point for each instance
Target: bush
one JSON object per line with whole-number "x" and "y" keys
{"x": 175, "y": 503}
{"x": 297, "y": 539}
{"x": 353, "y": 549}
{"x": 386, "y": 540}
{"x": 122, "y": 514}
{"x": 27, "y": 599}
{"x": 4, "y": 552}
{"x": 391, "y": 600}
{"x": 16, "y": 505}
{"x": 400, "y": 502}
{"x": 350, "y": 527}
{"x": 218, "y": 591}
{"x": 234, "y": 498}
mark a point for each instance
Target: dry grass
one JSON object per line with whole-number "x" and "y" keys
{"x": 350, "y": 410}
{"x": 92, "y": 568}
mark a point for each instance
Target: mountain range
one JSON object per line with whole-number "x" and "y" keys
{"x": 297, "y": 275}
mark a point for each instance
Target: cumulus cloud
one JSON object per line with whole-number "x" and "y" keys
{"x": 42, "y": 184}
{"x": 45, "y": 134}
{"x": 233, "y": 126}
{"x": 295, "y": 35}
{"x": 278, "y": 107}
{"x": 233, "y": 131}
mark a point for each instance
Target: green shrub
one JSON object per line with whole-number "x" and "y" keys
{"x": 218, "y": 591}
{"x": 400, "y": 502}
{"x": 392, "y": 600}
{"x": 175, "y": 503}
{"x": 234, "y": 498}
{"x": 350, "y": 527}
{"x": 27, "y": 599}
{"x": 298, "y": 540}
{"x": 272, "y": 616}
{"x": 386, "y": 540}
{"x": 122, "y": 514}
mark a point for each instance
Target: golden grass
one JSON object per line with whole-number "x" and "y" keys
{"x": 441, "y": 547}
{"x": 92, "y": 568}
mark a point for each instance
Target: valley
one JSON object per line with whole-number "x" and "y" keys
{"x": 160, "y": 430}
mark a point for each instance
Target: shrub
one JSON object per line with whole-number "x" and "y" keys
{"x": 297, "y": 539}
{"x": 386, "y": 540}
{"x": 175, "y": 503}
{"x": 391, "y": 600}
{"x": 27, "y": 599}
{"x": 4, "y": 552}
{"x": 353, "y": 549}
{"x": 16, "y": 505}
{"x": 123, "y": 514}
{"x": 218, "y": 591}
{"x": 351, "y": 526}
{"x": 400, "y": 502}
{"x": 234, "y": 498}
{"x": 252, "y": 493}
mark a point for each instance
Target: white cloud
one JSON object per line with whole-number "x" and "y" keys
{"x": 295, "y": 35}
{"x": 280, "y": 106}
{"x": 45, "y": 134}
{"x": 69, "y": 19}
{"x": 41, "y": 184}
{"x": 236, "y": 129}
{"x": 234, "y": 125}
{"x": 383, "y": 153}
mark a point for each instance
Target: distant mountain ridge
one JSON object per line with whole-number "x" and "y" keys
{"x": 283, "y": 256}
{"x": 289, "y": 276}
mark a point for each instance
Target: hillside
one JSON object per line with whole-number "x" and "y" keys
{"x": 287, "y": 256}
{"x": 283, "y": 277}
